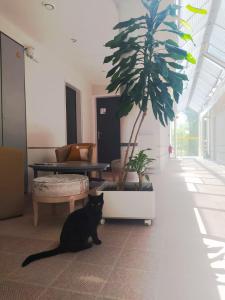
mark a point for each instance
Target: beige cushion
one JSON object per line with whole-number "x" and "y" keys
{"x": 60, "y": 185}
{"x": 84, "y": 154}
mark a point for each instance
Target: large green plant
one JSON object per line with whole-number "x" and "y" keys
{"x": 148, "y": 70}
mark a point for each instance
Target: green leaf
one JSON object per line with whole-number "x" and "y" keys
{"x": 160, "y": 18}
{"x": 186, "y": 37}
{"x": 190, "y": 58}
{"x": 165, "y": 117}
{"x": 128, "y": 23}
{"x": 176, "y": 50}
{"x": 154, "y": 101}
{"x": 112, "y": 71}
{"x": 172, "y": 42}
{"x": 173, "y": 9}
{"x": 176, "y": 96}
{"x": 124, "y": 108}
{"x": 153, "y": 7}
{"x": 160, "y": 66}
{"x": 164, "y": 70}
{"x": 182, "y": 35}
{"x": 170, "y": 113}
{"x": 108, "y": 59}
{"x": 161, "y": 118}
{"x": 182, "y": 76}
{"x": 185, "y": 24}
{"x": 175, "y": 65}
{"x": 172, "y": 25}
{"x": 196, "y": 10}
{"x": 176, "y": 82}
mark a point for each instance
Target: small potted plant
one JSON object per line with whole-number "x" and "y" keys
{"x": 139, "y": 163}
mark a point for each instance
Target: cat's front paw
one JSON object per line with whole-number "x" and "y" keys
{"x": 98, "y": 242}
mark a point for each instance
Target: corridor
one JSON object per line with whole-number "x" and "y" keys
{"x": 191, "y": 225}
{"x": 180, "y": 257}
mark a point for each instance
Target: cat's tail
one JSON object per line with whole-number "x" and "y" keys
{"x": 41, "y": 255}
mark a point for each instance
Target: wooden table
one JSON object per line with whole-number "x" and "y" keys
{"x": 71, "y": 167}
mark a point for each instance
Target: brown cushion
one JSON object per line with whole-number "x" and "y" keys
{"x": 74, "y": 153}
{"x": 79, "y": 153}
{"x": 62, "y": 153}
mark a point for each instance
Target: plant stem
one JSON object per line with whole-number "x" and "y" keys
{"x": 140, "y": 177}
{"x": 133, "y": 147}
{"x": 127, "y": 151}
{"x": 136, "y": 136}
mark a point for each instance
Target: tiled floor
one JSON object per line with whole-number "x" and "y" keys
{"x": 180, "y": 257}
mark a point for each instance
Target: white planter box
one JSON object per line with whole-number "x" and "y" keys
{"x": 128, "y": 204}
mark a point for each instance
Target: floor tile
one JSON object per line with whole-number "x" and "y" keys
{"x": 123, "y": 226}
{"x": 9, "y": 263}
{"x": 169, "y": 260}
{"x": 113, "y": 238}
{"x": 24, "y": 246}
{"x": 107, "y": 298}
{"x": 18, "y": 291}
{"x": 40, "y": 272}
{"x": 84, "y": 278}
{"x": 100, "y": 255}
{"x": 144, "y": 240}
{"x": 56, "y": 294}
{"x": 139, "y": 259}
{"x": 129, "y": 284}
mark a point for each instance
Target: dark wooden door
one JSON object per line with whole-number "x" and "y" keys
{"x": 71, "y": 119}
{"x": 108, "y": 129}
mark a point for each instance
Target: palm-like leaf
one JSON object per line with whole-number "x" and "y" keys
{"x": 146, "y": 69}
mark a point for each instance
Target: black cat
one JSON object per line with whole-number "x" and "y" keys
{"x": 78, "y": 227}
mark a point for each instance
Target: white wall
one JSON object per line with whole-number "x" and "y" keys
{"x": 216, "y": 117}
{"x": 45, "y": 97}
{"x": 45, "y": 92}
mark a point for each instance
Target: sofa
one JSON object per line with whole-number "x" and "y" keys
{"x": 11, "y": 182}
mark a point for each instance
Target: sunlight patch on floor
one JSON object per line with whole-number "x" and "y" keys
{"x": 191, "y": 187}
{"x": 200, "y": 222}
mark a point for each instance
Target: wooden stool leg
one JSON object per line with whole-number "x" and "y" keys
{"x": 71, "y": 204}
{"x": 35, "y": 208}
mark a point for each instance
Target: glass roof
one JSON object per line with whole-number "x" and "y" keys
{"x": 209, "y": 36}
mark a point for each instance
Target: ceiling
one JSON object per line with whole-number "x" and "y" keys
{"x": 209, "y": 35}
{"x": 89, "y": 22}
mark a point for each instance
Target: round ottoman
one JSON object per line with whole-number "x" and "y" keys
{"x": 58, "y": 189}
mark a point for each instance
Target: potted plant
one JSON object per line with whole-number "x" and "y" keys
{"x": 139, "y": 163}
{"x": 136, "y": 200}
{"x": 149, "y": 73}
